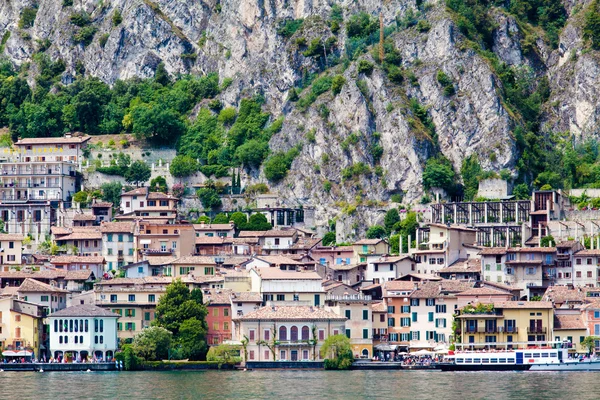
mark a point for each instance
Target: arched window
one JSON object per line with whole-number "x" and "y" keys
{"x": 60, "y": 340}
{"x": 81, "y": 339}
{"x": 55, "y": 325}
{"x": 76, "y": 339}
{"x": 70, "y": 325}
{"x": 60, "y": 325}
{"x": 305, "y": 333}
{"x": 282, "y": 333}
{"x": 294, "y": 334}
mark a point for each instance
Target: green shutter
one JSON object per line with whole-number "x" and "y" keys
{"x": 430, "y": 317}
{"x": 414, "y": 317}
{"x": 418, "y": 335}
{"x": 365, "y": 314}
{"x": 133, "y": 326}
{"x": 119, "y": 326}
{"x": 365, "y": 333}
{"x": 133, "y": 312}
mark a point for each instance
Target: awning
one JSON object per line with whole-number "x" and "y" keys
{"x": 21, "y": 353}
{"x": 386, "y": 347}
{"x": 145, "y": 241}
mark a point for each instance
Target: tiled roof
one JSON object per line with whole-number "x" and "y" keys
{"x": 369, "y": 241}
{"x": 583, "y": 253}
{"x": 379, "y": 307}
{"x": 453, "y": 227}
{"x": 419, "y": 277}
{"x": 198, "y": 260}
{"x": 569, "y": 322}
{"x": 471, "y": 265}
{"x": 277, "y": 274}
{"x": 160, "y": 260}
{"x": 532, "y": 249}
{"x": 245, "y": 240}
{"x": 102, "y": 204}
{"x": 92, "y": 234}
{"x": 59, "y": 230}
{"x": 247, "y": 234}
{"x": 291, "y": 313}
{"x": 160, "y": 196}
{"x": 484, "y": 291}
{"x": 31, "y": 285}
{"x": 493, "y": 251}
{"x": 333, "y": 249}
{"x": 84, "y": 217}
{"x": 214, "y": 240}
{"x": 141, "y": 191}
{"x": 117, "y": 227}
{"x": 306, "y": 244}
{"x": 561, "y": 294}
{"x": 11, "y": 237}
{"x": 77, "y": 260}
{"x": 523, "y": 304}
{"x": 53, "y": 140}
{"x": 500, "y": 286}
{"x": 246, "y": 297}
{"x": 50, "y": 274}
{"x": 346, "y": 267}
{"x": 399, "y": 285}
{"x": 234, "y": 261}
{"x": 428, "y": 290}
{"x": 567, "y": 244}
{"x": 387, "y": 260}
{"x": 218, "y": 296}
{"x": 280, "y": 233}
{"x": 79, "y": 275}
{"x": 84, "y": 310}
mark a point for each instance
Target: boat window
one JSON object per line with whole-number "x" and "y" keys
{"x": 510, "y": 360}
{"x": 527, "y": 355}
{"x": 468, "y": 360}
{"x": 502, "y": 360}
{"x": 544, "y": 354}
{"x": 494, "y": 361}
{"x": 485, "y": 360}
{"x": 459, "y": 360}
{"x": 477, "y": 360}
{"x": 552, "y": 354}
{"x": 536, "y": 355}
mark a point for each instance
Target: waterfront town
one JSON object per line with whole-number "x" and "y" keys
{"x": 80, "y": 280}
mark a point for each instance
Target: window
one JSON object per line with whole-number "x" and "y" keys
{"x": 440, "y": 308}
{"x": 414, "y": 317}
{"x": 365, "y": 333}
{"x": 578, "y": 261}
{"x": 530, "y": 270}
{"x": 44, "y": 298}
{"x": 294, "y": 333}
{"x": 430, "y": 317}
{"x": 365, "y": 314}
{"x": 588, "y": 261}
{"x": 348, "y": 314}
{"x": 101, "y": 327}
{"x": 348, "y": 333}
{"x": 404, "y": 321}
{"x": 120, "y": 237}
{"x": 282, "y": 354}
{"x": 414, "y": 302}
{"x": 151, "y": 298}
{"x": 267, "y": 355}
{"x": 132, "y": 297}
{"x": 405, "y": 309}
{"x": 391, "y": 309}
{"x": 226, "y": 312}
{"x": 146, "y": 316}
{"x": 17, "y": 318}
{"x": 209, "y": 271}
{"x": 113, "y": 298}
{"x": 281, "y": 297}
{"x": 282, "y": 333}
{"x": 578, "y": 274}
{"x": 216, "y": 326}
{"x": 589, "y": 274}
{"x": 251, "y": 334}
{"x": 296, "y": 297}
{"x": 487, "y": 267}
{"x": 321, "y": 334}
{"x": 305, "y": 333}
{"x": 251, "y": 354}
{"x": 391, "y": 321}
{"x": 215, "y": 312}
{"x": 430, "y": 302}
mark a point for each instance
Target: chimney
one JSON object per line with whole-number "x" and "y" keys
{"x": 416, "y": 286}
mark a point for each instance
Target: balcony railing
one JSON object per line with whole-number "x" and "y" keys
{"x": 504, "y": 329}
{"x": 536, "y": 329}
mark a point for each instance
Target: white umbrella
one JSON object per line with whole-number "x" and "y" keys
{"x": 442, "y": 351}
{"x": 422, "y": 353}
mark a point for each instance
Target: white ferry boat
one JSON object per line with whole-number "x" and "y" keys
{"x": 529, "y": 359}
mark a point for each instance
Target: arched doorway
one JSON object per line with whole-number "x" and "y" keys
{"x": 109, "y": 355}
{"x": 365, "y": 353}
{"x": 83, "y": 355}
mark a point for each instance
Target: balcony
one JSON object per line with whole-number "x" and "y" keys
{"x": 503, "y": 329}
{"x": 534, "y": 329}
{"x": 563, "y": 257}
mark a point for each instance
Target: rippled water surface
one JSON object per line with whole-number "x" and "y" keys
{"x": 300, "y": 384}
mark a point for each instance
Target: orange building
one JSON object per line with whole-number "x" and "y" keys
{"x": 396, "y": 297}
{"x": 218, "y": 302}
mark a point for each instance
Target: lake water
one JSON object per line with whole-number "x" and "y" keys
{"x": 300, "y": 385}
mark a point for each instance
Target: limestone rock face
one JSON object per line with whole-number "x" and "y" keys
{"x": 238, "y": 39}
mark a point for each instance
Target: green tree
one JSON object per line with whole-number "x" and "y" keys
{"x": 271, "y": 344}
{"x": 159, "y": 184}
{"x": 252, "y": 153}
{"x": 221, "y": 218}
{"x": 439, "y": 173}
{"x": 153, "y": 343}
{"x": 161, "y": 75}
{"x": 257, "y": 222}
{"x": 111, "y": 192}
{"x": 127, "y": 356}
{"x": 337, "y": 352}
{"x": 470, "y": 171}
{"x": 81, "y": 198}
{"x": 239, "y": 219}
{"x": 589, "y": 342}
{"x": 182, "y": 166}
{"x": 376, "y": 232}
{"x": 329, "y": 239}
{"x": 547, "y": 241}
{"x": 177, "y": 306}
{"x": 224, "y": 354}
{"x": 522, "y": 192}
{"x": 392, "y": 217}
{"x": 192, "y": 338}
{"x": 209, "y": 197}
{"x": 138, "y": 173}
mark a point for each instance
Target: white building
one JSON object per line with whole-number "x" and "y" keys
{"x": 388, "y": 268}
{"x": 37, "y": 292}
{"x": 288, "y": 287}
{"x": 83, "y": 331}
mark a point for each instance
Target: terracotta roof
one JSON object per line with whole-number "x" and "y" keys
{"x": 79, "y": 275}
{"x": 53, "y": 140}
{"x": 419, "y": 277}
{"x": 217, "y": 296}
{"x": 246, "y": 297}
{"x": 160, "y": 260}
{"x": 50, "y": 274}
{"x": 493, "y": 251}
{"x": 499, "y": 285}
{"x": 327, "y": 249}
{"x": 399, "y": 285}
{"x": 568, "y": 322}
{"x": 141, "y": 191}
{"x": 484, "y": 291}
{"x": 471, "y": 265}
{"x": 562, "y": 294}
{"x": 160, "y": 196}
{"x": 428, "y": 290}
{"x": 213, "y": 227}
{"x": 567, "y": 244}
{"x": 246, "y": 234}
{"x": 369, "y": 241}
{"x": 11, "y": 237}
{"x": 532, "y": 249}
{"x": 387, "y": 260}
{"x": 583, "y": 253}
{"x": 84, "y": 217}
{"x": 31, "y": 285}
{"x": 346, "y": 267}
{"x": 280, "y": 233}
{"x": 102, "y": 204}
{"x": 94, "y": 234}
{"x": 277, "y": 274}
{"x": 84, "y": 310}
{"x": 453, "y": 227}
{"x": 379, "y": 307}
{"x": 77, "y": 260}
{"x": 235, "y": 260}
{"x": 523, "y": 304}
{"x": 214, "y": 240}
{"x": 198, "y": 260}
{"x": 370, "y": 287}
{"x": 9, "y": 291}
{"x": 59, "y": 230}
{"x": 278, "y": 260}
{"x": 117, "y": 227}
{"x": 291, "y": 313}
{"x": 245, "y": 240}
{"x": 306, "y": 244}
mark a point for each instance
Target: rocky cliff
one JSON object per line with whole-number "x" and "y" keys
{"x": 335, "y": 171}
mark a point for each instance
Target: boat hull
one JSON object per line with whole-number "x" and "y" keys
{"x": 482, "y": 367}
{"x": 570, "y": 366}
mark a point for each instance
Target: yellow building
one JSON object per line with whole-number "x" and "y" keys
{"x": 357, "y": 309}
{"x": 500, "y": 324}
{"x": 194, "y": 265}
{"x": 369, "y": 247}
{"x": 570, "y": 326}
{"x": 21, "y": 326}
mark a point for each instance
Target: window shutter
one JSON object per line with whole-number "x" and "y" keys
{"x": 418, "y": 335}
{"x": 430, "y": 317}
{"x": 133, "y": 326}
